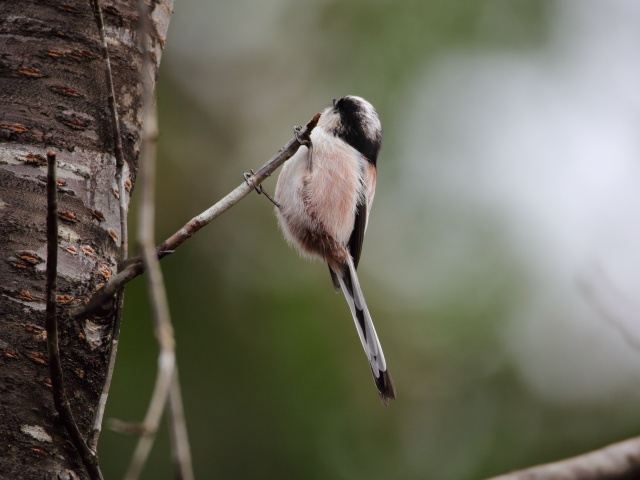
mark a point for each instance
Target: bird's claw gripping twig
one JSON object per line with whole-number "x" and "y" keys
{"x": 258, "y": 188}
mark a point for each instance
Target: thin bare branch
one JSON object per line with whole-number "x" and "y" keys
{"x": 124, "y": 235}
{"x": 89, "y": 459}
{"x": 111, "y": 97}
{"x": 619, "y": 461}
{"x": 166, "y": 379}
{"x": 134, "y": 266}
{"x": 104, "y": 395}
{"x": 163, "y": 329}
{"x": 180, "y": 448}
{"x": 166, "y": 367}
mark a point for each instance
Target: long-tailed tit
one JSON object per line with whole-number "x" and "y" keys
{"x": 324, "y": 194}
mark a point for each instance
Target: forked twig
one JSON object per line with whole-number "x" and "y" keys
{"x": 166, "y": 378}
{"x": 157, "y": 294}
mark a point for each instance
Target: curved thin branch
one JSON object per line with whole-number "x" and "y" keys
{"x": 124, "y": 231}
{"x": 60, "y": 399}
{"x": 134, "y": 266}
{"x": 619, "y": 461}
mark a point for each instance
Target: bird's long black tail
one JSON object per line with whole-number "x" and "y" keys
{"x": 348, "y": 279}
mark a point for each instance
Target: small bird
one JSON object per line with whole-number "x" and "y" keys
{"x": 323, "y": 198}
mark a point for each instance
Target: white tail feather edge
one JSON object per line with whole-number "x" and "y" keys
{"x": 372, "y": 346}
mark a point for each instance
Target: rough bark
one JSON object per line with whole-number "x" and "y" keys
{"x": 53, "y": 97}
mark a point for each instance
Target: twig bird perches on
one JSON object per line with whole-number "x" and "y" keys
{"x": 134, "y": 266}
{"x": 323, "y": 204}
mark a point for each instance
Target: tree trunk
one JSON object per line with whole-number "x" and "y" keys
{"x": 53, "y": 96}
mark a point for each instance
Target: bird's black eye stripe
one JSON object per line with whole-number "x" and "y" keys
{"x": 369, "y": 148}
{"x": 351, "y": 128}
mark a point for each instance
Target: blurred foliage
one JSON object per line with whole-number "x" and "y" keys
{"x": 274, "y": 380}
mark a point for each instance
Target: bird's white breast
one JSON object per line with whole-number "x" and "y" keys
{"x": 325, "y": 196}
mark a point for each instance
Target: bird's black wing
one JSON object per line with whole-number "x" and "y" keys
{"x": 357, "y": 235}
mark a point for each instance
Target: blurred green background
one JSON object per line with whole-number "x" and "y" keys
{"x": 500, "y": 259}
